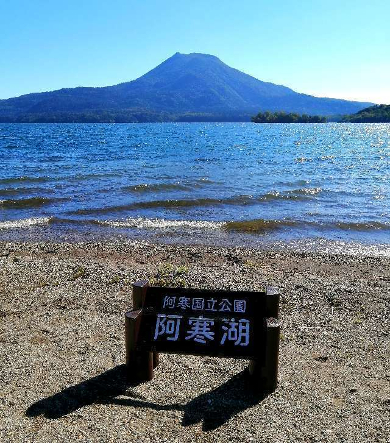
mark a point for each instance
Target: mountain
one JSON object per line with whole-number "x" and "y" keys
{"x": 183, "y": 87}
{"x": 373, "y": 114}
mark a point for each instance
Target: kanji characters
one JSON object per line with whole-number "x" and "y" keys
{"x": 200, "y": 330}
{"x": 169, "y": 302}
{"x": 168, "y": 325}
{"x": 198, "y": 304}
{"x": 202, "y": 304}
{"x": 225, "y": 305}
{"x": 210, "y": 304}
{"x": 240, "y": 306}
{"x": 237, "y": 331}
{"x": 184, "y": 303}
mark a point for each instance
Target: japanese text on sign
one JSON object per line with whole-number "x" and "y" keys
{"x": 204, "y": 304}
{"x": 202, "y": 330}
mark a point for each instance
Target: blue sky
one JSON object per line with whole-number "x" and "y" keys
{"x": 325, "y": 48}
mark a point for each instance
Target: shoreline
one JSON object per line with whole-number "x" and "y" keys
{"x": 200, "y": 234}
{"x": 62, "y": 346}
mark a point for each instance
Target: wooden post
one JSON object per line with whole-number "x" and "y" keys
{"x": 139, "y": 294}
{"x": 272, "y": 295}
{"x": 265, "y": 375}
{"x": 139, "y": 363}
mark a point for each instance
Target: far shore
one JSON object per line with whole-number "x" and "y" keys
{"x": 62, "y": 347}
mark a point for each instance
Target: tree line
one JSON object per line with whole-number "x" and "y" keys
{"x": 373, "y": 114}
{"x": 284, "y": 117}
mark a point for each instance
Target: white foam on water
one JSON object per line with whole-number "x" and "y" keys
{"x": 24, "y": 223}
{"x": 146, "y": 223}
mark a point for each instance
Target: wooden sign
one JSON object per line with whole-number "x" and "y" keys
{"x": 190, "y": 321}
{"x": 202, "y": 322}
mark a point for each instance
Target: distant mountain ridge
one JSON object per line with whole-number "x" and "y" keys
{"x": 184, "y": 87}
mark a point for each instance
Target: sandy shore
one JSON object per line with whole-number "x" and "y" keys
{"x": 62, "y": 348}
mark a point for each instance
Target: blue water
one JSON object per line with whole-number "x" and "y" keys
{"x": 228, "y": 183}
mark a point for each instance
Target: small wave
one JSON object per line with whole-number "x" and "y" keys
{"x": 23, "y": 179}
{"x": 207, "y": 159}
{"x": 205, "y": 180}
{"x": 33, "y": 202}
{"x": 93, "y": 176}
{"x": 303, "y": 160}
{"x": 306, "y": 191}
{"x": 295, "y": 194}
{"x": 54, "y": 158}
{"x": 262, "y": 225}
{"x": 21, "y": 191}
{"x": 294, "y": 183}
{"x": 145, "y": 223}
{"x": 155, "y": 187}
{"x": 258, "y": 225}
{"x": 24, "y": 223}
{"x": 170, "y": 204}
{"x": 68, "y": 221}
{"x": 271, "y": 196}
{"x": 240, "y": 200}
{"x": 367, "y": 226}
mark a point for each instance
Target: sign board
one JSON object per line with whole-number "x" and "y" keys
{"x": 235, "y": 324}
{"x": 191, "y": 321}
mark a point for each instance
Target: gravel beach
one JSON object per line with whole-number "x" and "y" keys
{"x": 62, "y": 347}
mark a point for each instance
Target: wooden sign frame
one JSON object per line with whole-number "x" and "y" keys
{"x": 142, "y": 352}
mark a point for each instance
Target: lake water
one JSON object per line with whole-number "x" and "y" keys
{"x": 310, "y": 186}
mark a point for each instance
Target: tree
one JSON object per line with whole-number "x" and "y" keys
{"x": 283, "y": 117}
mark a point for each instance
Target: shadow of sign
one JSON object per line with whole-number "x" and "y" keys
{"x": 105, "y": 386}
{"x": 213, "y": 408}
{"x": 218, "y": 406}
